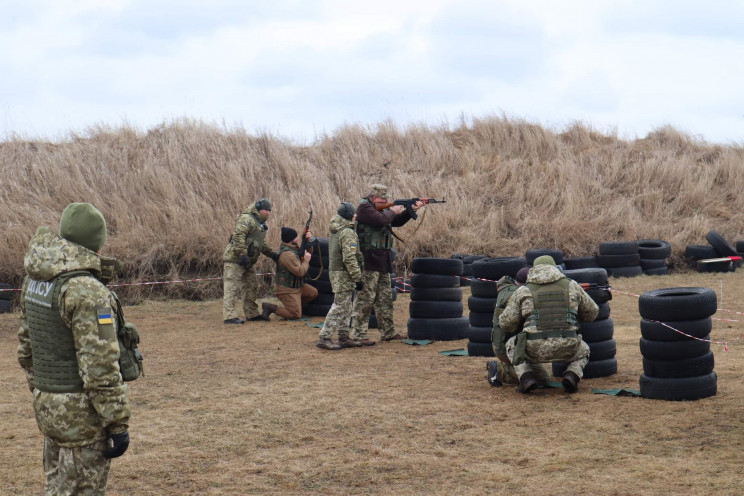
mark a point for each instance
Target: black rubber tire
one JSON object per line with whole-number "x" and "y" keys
{"x": 484, "y": 289}
{"x": 531, "y": 254}
{"x": 652, "y": 263}
{"x": 312, "y": 273}
{"x": 434, "y": 281}
{"x": 690, "y": 367}
{"x": 698, "y": 252}
{"x": 467, "y": 270}
{"x": 624, "y": 271}
{"x": 395, "y": 293}
{"x": 323, "y": 299}
{"x": 435, "y": 309}
{"x": 593, "y": 275}
{"x": 723, "y": 266}
{"x": 473, "y": 258}
{"x": 479, "y": 334}
{"x": 661, "y": 271}
{"x": 494, "y": 269}
{"x": 312, "y": 310}
{"x": 654, "y": 249}
{"x": 604, "y": 311}
{"x": 677, "y": 304}
{"x": 739, "y": 246}
{"x": 442, "y": 266}
{"x": 5, "y": 306}
{"x": 373, "y": 321}
{"x": 436, "y": 294}
{"x": 603, "y": 350}
{"x": 315, "y": 261}
{"x": 722, "y": 247}
{"x": 322, "y": 286}
{"x": 6, "y": 295}
{"x": 618, "y": 247}
{"x": 597, "y": 331}
{"x": 438, "y": 329}
{"x": 480, "y": 349}
{"x": 484, "y": 305}
{"x": 684, "y": 388}
{"x": 673, "y": 350}
{"x": 580, "y": 262}
{"x": 629, "y": 260}
{"x": 481, "y": 319}
{"x": 593, "y": 369}
{"x": 656, "y": 331}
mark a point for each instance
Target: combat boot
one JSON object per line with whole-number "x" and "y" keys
{"x": 233, "y": 321}
{"x": 267, "y": 309}
{"x": 327, "y": 344}
{"x": 394, "y": 337}
{"x": 347, "y": 342}
{"x": 527, "y": 382}
{"x": 570, "y": 381}
{"x": 366, "y": 342}
{"x": 492, "y": 372}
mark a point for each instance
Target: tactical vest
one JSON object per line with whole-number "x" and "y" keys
{"x": 335, "y": 253}
{"x": 52, "y": 345}
{"x": 374, "y": 238}
{"x": 254, "y": 241}
{"x": 283, "y": 276}
{"x": 552, "y": 311}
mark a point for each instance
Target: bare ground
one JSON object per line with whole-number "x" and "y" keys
{"x": 257, "y": 409}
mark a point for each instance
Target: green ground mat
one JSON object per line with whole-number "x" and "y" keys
{"x": 416, "y": 342}
{"x": 297, "y": 320}
{"x": 457, "y": 352}
{"x": 319, "y": 325}
{"x": 551, "y": 384}
{"x": 617, "y": 392}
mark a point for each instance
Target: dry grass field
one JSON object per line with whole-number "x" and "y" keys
{"x": 257, "y": 409}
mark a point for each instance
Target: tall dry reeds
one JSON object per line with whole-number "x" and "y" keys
{"x": 171, "y": 194}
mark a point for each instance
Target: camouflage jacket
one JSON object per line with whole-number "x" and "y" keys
{"x": 76, "y": 419}
{"x": 520, "y": 307}
{"x": 345, "y": 266}
{"x": 249, "y": 225}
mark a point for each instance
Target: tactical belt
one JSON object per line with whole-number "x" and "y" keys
{"x": 551, "y": 334}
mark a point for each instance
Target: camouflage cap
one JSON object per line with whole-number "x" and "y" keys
{"x": 544, "y": 260}
{"x": 379, "y": 190}
{"x": 83, "y": 224}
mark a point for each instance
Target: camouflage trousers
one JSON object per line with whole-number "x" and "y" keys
{"x": 377, "y": 293}
{"x": 573, "y": 351}
{"x": 338, "y": 316}
{"x": 505, "y": 372}
{"x": 81, "y": 471}
{"x": 239, "y": 286}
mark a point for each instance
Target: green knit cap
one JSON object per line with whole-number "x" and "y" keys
{"x": 544, "y": 260}
{"x": 83, "y": 224}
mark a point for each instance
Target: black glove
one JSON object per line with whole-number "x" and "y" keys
{"x": 121, "y": 443}
{"x": 244, "y": 261}
{"x": 359, "y": 285}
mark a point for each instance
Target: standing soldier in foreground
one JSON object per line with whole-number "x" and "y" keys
{"x": 68, "y": 347}
{"x": 374, "y": 228}
{"x": 290, "y": 287}
{"x": 549, "y": 307}
{"x": 246, "y": 243}
{"x": 345, "y": 271}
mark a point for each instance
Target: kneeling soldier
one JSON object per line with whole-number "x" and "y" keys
{"x": 345, "y": 264}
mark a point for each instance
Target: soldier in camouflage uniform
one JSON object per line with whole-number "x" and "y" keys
{"x": 501, "y": 371}
{"x": 241, "y": 254}
{"x": 548, "y": 308}
{"x": 374, "y": 228}
{"x": 345, "y": 264}
{"x": 69, "y": 350}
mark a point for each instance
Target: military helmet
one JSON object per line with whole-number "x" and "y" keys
{"x": 346, "y": 210}
{"x": 263, "y": 204}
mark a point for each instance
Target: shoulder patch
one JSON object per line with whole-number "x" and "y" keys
{"x": 104, "y": 316}
{"x": 353, "y": 248}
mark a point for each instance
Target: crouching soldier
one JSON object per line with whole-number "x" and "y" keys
{"x": 345, "y": 263}
{"x": 289, "y": 282}
{"x": 548, "y": 309}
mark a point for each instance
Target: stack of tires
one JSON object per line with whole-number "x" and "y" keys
{"x": 575, "y": 263}
{"x": 436, "y": 300}
{"x": 5, "y": 297}
{"x": 677, "y": 366}
{"x": 620, "y": 258}
{"x": 718, "y": 247}
{"x": 531, "y": 254}
{"x": 653, "y": 253}
{"x": 597, "y": 334}
{"x": 467, "y": 266}
{"x": 317, "y": 276}
{"x": 482, "y": 302}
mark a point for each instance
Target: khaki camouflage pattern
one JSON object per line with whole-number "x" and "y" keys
{"x": 377, "y": 293}
{"x": 520, "y": 308}
{"x": 345, "y": 265}
{"x": 76, "y": 419}
{"x": 239, "y": 284}
{"x": 505, "y": 372}
{"x": 246, "y": 226}
{"x": 77, "y": 471}
{"x": 338, "y": 316}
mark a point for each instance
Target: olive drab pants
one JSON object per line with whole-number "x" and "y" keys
{"x": 573, "y": 351}
{"x": 239, "y": 286}
{"x": 377, "y": 293}
{"x": 81, "y": 471}
{"x": 292, "y": 299}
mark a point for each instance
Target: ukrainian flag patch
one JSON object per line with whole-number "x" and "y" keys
{"x": 104, "y": 317}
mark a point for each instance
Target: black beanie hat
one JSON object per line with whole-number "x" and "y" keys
{"x": 288, "y": 234}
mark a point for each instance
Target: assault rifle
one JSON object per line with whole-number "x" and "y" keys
{"x": 306, "y": 245}
{"x": 409, "y": 204}
{"x": 600, "y": 293}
